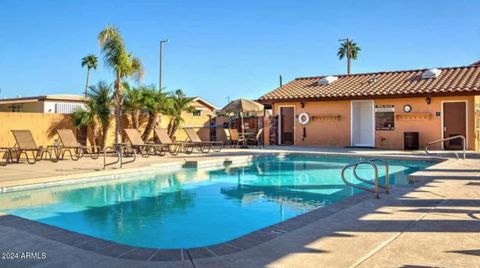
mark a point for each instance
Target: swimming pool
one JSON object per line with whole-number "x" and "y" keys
{"x": 193, "y": 208}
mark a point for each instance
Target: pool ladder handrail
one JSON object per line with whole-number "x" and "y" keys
{"x": 375, "y": 182}
{"x": 447, "y": 139}
{"x": 119, "y": 151}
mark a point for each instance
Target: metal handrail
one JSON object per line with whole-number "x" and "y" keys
{"x": 447, "y": 139}
{"x": 118, "y": 150}
{"x": 387, "y": 174}
{"x": 110, "y": 149}
{"x": 375, "y": 190}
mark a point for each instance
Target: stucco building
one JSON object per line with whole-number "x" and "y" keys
{"x": 378, "y": 109}
{"x": 49, "y": 104}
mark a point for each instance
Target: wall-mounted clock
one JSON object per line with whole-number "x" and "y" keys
{"x": 407, "y": 108}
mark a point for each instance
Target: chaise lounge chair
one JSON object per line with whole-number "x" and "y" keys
{"x": 203, "y": 146}
{"x": 25, "y": 143}
{"x": 173, "y": 147}
{"x": 145, "y": 149}
{"x": 69, "y": 143}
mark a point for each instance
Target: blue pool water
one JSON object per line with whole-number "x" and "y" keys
{"x": 192, "y": 208}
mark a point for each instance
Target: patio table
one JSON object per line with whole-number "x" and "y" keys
{"x": 7, "y": 154}
{"x": 245, "y": 137}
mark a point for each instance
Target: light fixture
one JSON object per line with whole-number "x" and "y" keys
{"x": 302, "y": 104}
{"x": 428, "y": 100}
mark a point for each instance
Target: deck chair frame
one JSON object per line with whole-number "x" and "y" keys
{"x": 69, "y": 144}
{"x": 203, "y": 146}
{"x": 25, "y": 143}
{"x": 173, "y": 147}
{"x": 142, "y": 148}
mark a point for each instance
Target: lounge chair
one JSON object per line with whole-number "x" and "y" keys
{"x": 69, "y": 143}
{"x": 139, "y": 146}
{"x": 173, "y": 147}
{"x": 25, "y": 143}
{"x": 202, "y": 146}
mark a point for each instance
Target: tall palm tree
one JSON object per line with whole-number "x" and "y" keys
{"x": 156, "y": 103}
{"x": 124, "y": 66}
{"x": 178, "y": 104}
{"x": 134, "y": 103}
{"x": 91, "y": 62}
{"x": 96, "y": 114}
{"x": 350, "y": 50}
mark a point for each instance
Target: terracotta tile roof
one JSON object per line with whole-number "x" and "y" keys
{"x": 477, "y": 63}
{"x": 381, "y": 84}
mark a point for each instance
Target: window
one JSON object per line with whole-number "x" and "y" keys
{"x": 66, "y": 108}
{"x": 16, "y": 108}
{"x": 197, "y": 113}
{"x": 384, "y": 117}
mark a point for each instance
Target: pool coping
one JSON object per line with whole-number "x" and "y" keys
{"x": 249, "y": 240}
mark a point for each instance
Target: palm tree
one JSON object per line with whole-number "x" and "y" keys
{"x": 85, "y": 117}
{"x": 124, "y": 66}
{"x": 134, "y": 103}
{"x": 101, "y": 95}
{"x": 178, "y": 104}
{"x": 350, "y": 50}
{"x": 96, "y": 115}
{"x": 91, "y": 62}
{"x": 156, "y": 103}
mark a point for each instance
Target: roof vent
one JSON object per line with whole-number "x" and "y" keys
{"x": 431, "y": 73}
{"x": 327, "y": 80}
{"x": 372, "y": 79}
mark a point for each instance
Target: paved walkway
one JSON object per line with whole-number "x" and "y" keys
{"x": 435, "y": 222}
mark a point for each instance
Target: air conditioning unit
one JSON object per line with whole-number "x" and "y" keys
{"x": 327, "y": 80}
{"x": 431, "y": 73}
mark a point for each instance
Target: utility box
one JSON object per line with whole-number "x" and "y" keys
{"x": 411, "y": 141}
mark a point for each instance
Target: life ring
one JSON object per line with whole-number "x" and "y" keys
{"x": 303, "y": 178}
{"x": 304, "y": 118}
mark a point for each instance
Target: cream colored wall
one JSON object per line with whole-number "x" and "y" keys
{"x": 327, "y": 131}
{"x": 41, "y": 125}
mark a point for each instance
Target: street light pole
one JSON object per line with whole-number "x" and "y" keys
{"x": 161, "y": 63}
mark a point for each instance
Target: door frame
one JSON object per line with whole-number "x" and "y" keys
{"x": 373, "y": 123}
{"x": 279, "y": 110}
{"x": 442, "y": 124}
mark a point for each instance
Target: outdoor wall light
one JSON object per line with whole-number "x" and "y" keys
{"x": 302, "y": 104}
{"x": 428, "y": 100}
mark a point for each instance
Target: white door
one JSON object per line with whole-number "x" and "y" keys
{"x": 363, "y": 126}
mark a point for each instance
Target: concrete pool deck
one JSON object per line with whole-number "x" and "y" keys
{"x": 432, "y": 223}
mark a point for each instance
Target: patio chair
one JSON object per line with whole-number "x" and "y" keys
{"x": 173, "y": 147}
{"x": 257, "y": 140}
{"x": 139, "y": 146}
{"x": 234, "y": 137}
{"x": 202, "y": 146}
{"x": 25, "y": 143}
{"x": 69, "y": 144}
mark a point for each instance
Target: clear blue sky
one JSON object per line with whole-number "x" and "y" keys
{"x": 229, "y": 48}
